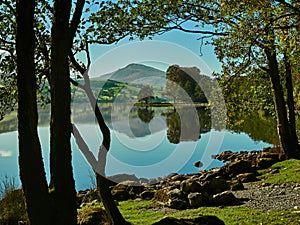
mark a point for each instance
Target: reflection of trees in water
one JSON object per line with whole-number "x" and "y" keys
{"x": 258, "y": 126}
{"x": 187, "y": 129}
{"x": 145, "y": 114}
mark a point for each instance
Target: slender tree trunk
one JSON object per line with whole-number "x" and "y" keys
{"x": 285, "y": 137}
{"x": 291, "y": 103}
{"x": 62, "y": 181}
{"x": 112, "y": 210}
{"x": 32, "y": 171}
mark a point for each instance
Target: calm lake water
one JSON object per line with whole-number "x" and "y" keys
{"x": 148, "y": 142}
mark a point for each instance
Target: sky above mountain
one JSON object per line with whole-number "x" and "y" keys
{"x": 174, "y": 47}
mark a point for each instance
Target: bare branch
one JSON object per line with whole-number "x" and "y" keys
{"x": 88, "y": 54}
{"x": 84, "y": 148}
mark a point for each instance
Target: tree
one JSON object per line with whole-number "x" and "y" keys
{"x": 146, "y": 94}
{"x": 62, "y": 181}
{"x": 247, "y": 35}
{"x": 59, "y": 205}
{"x": 262, "y": 47}
{"x": 30, "y": 158}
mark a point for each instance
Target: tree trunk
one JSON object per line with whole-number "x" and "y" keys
{"x": 291, "y": 103}
{"x": 112, "y": 210}
{"x": 286, "y": 140}
{"x": 62, "y": 181}
{"x": 32, "y": 171}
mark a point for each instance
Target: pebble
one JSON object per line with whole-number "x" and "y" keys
{"x": 272, "y": 197}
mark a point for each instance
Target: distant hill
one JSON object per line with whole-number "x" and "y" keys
{"x": 137, "y": 74}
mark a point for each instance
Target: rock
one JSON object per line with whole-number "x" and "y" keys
{"x": 174, "y": 198}
{"x": 178, "y": 177}
{"x": 126, "y": 190}
{"x": 275, "y": 156}
{"x": 216, "y": 185}
{"x": 246, "y": 177}
{"x": 196, "y": 200}
{"x": 198, "y": 164}
{"x": 264, "y": 163}
{"x": 177, "y": 203}
{"x": 224, "y": 198}
{"x": 237, "y": 167}
{"x": 236, "y": 186}
{"x": 118, "y": 178}
{"x": 88, "y": 196}
{"x": 224, "y": 156}
{"x": 202, "y": 220}
{"x": 92, "y": 216}
{"x": 121, "y": 195}
{"x": 147, "y": 195}
{"x": 191, "y": 185}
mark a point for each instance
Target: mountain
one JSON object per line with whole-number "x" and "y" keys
{"x": 137, "y": 74}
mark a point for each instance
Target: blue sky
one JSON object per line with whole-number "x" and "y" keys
{"x": 178, "y": 42}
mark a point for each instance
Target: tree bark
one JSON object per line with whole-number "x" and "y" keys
{"x": 285, "y": 137}
{"x": 32, "y": 171}
{"x": 62, "y": 181}
{"x": 291, "y": 104}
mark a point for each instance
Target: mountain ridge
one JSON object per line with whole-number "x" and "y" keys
{"x": 138, "y": 74}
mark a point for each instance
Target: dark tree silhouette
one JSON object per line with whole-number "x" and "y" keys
{"x": 32, "y": 173}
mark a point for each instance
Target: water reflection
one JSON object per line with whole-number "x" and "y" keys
{"x": 183, "y": 124}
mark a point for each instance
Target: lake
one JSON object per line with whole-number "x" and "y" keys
{"x": 146, "y": 141}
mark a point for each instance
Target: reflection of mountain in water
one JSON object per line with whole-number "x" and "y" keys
{"x": 134, "y": 127}
{"x": 134, "y": 121}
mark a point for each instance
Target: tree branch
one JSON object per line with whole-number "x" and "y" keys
{"x": 77, "y": 66}
{"x": 76, "y": 18}
{"x": 85, "y": 149}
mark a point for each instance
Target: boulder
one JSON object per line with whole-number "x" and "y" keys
{"x": 236, "y": 185}
{"x": 216, "y": 185}
{"x": 174, "y": 198}
{"x": 201, "y": 220}
{"x": 198, "y": 164}
{"x": 246, "y": 177}
{"x": 237, "y": 167}
{"x": 191, "y": 185}
{"x": 88, "y": 196}
{"x": 224, "y": 198}
{"x": 147, "y": 195}
{"x": 126, "y": 190}
{"x": 93, "y": 216}
{"x": 196, "y": 200}
{"x": 121, "y": 195}
{"x": 177, "y": 203}
{"x": 264, "y": 163}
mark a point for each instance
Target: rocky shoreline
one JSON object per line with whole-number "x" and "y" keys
{"x": 235, "y": 183}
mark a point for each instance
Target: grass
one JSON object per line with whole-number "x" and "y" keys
{"x": 12, "y": 205}
{"x": 287, "y": 171}
{"x": 148, "y": 212}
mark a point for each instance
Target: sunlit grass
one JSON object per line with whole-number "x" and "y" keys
{"x": 287, "y": 171}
